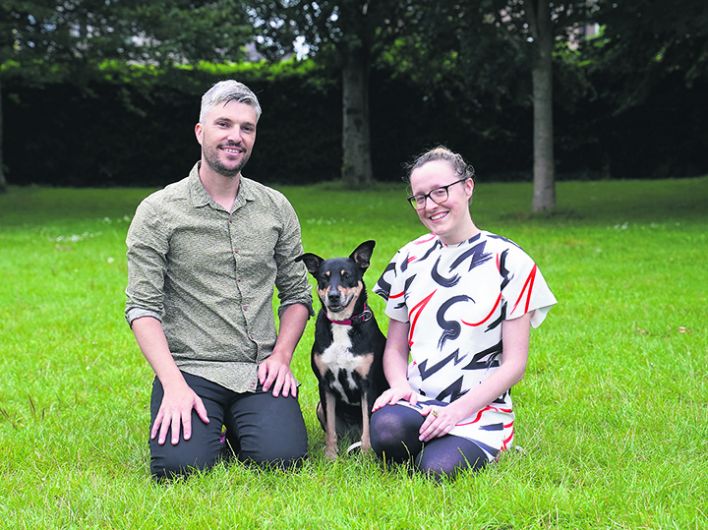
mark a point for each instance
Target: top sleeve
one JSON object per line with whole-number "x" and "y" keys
{"x": 148, "y": 244}
{"x": 391, "y": 287}
{"x": 291, "y": 276}
{"x": 524, "y": 290}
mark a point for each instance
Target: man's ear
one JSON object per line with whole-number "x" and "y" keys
{"x": 362, "y": 254}
{"x": 312, "y": 262}
{"x": 198, "y": 130}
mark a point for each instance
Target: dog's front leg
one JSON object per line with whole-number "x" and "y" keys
{"x": 331, "y": 431}
{"x": 365, "y": 438}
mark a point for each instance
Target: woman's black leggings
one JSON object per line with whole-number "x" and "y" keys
{"x": 394, "y": 437}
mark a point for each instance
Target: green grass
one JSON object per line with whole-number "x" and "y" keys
{"x": 611, "y": 413}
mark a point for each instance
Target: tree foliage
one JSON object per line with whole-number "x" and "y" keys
{"x": 350, "y": 35}
{"x": 329, "y": 28}
{"x": 479, "y": 54}
{"x": 645, "y": 41}
{"x": 54, "y": 40}
{"x": 79, "y": 34}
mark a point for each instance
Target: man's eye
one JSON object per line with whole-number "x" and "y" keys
{"x": 420, "y": 199}
{"x": 438, "y": 193}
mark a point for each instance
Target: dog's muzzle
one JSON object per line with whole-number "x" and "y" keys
{"x": 336, "y": 302}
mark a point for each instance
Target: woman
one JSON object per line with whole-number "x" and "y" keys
{"x": 461, "y": 300}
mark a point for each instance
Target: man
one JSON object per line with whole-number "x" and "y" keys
{"x": 203, "y": 256}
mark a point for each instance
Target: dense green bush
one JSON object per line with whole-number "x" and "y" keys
{"x": 134, "y": 126}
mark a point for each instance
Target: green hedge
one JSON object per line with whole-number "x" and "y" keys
{"x": 135, "y": 126}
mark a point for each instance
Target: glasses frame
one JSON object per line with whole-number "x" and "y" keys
{"x": 413, "y": 199}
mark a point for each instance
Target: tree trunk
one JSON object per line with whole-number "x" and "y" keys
{"x": 3, "y": 180}
{"x": 544, "y": 190}
{"x": 356, "y": 139}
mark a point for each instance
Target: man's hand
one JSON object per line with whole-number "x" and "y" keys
{"x": 275, "y": 372}
{"x": 395, "y": 394}
{"x": 175, "y": 412}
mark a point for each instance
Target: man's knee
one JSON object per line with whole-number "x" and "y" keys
{"x": 174, "y": 461}
{"x": 284, "y": 452}
{"x": 274, "y": 434}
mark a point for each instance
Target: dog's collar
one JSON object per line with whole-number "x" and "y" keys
{"x": 364, "y": 316}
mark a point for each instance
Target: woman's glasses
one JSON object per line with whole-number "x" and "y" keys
{"x": 438, "y": 195}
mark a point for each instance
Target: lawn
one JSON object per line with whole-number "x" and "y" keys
{"x": 611, "y": 416}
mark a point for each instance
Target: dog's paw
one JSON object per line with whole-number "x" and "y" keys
{"x": 365, "y": 446}
{"x": 330, "y": 453}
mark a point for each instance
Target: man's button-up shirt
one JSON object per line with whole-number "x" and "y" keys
{"x": 209, "y": 275}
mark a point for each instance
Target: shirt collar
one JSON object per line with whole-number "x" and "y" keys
{"x": 201, "y": 198}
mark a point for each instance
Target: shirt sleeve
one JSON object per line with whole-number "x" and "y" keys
{"x": 291, "y": 276}
{"x": 147, "y": 243}
{"x": 523, "y": 289}
{"x": 391, "y": 287}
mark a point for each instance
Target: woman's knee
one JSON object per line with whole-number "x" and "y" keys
{"x": 394, "y": 433}
{"x": 447, "y": 456}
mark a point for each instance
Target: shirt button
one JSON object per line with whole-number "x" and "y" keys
{"x": 245, "y": 307}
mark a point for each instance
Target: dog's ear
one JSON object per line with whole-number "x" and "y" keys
{"x": 362, "y": 254}
{"x": 312, "y": 262}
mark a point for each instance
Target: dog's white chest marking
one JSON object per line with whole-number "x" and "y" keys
{"x": 338, "y": 356}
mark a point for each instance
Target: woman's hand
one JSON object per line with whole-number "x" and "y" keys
{"x": 395, "y": 394}
{"x": 439, "y": 421}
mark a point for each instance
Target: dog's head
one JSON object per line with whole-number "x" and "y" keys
{"x": 340, "y": 280}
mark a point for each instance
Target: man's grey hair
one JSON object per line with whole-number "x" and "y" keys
{"x": 224, "y": 92}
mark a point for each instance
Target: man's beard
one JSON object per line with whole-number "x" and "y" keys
{"x": 215, "y": 164}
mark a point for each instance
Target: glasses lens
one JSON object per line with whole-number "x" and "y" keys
{"x": 439, "y": 194}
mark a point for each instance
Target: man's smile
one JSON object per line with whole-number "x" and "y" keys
{"x": 231, "y": 149}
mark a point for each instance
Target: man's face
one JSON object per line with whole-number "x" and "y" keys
{"x": 227, "y": 135}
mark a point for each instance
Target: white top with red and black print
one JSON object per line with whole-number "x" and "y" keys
{"x": 455, "y": 298}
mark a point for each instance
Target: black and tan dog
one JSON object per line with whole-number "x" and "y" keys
{"x": 348, "y": 349}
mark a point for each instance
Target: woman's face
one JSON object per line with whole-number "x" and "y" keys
{"x": 450, "y": 219}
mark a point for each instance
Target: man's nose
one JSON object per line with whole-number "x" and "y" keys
{"x": 234, "y": 135}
